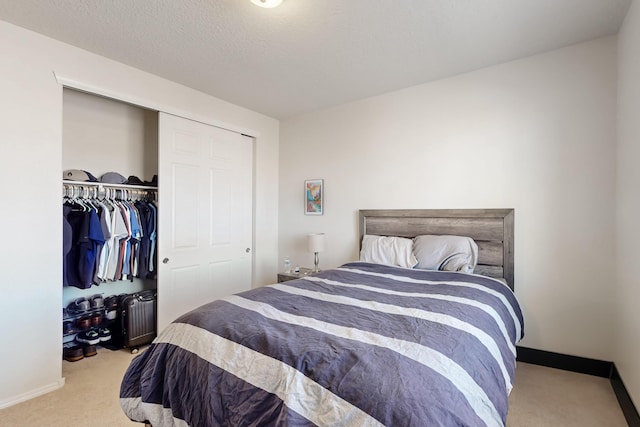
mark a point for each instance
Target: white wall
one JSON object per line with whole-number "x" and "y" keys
{"x": 627, "y": 353}
{"x": 30, "y": 173}
{"x": 102, "y": 135}
{"x": 536, "y": 135}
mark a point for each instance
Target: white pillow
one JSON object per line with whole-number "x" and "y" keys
{"x": 388, "y": 250}
{"x": 448, "y": 253}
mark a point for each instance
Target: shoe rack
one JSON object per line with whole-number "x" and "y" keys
{"x": 83, "y": 315}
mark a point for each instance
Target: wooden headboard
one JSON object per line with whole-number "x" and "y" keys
{"x": 491, "y": 229}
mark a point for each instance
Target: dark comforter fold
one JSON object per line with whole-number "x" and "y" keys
{"x": 363, "y": 344}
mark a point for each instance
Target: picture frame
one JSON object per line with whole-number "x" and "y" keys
{"x": 314, "y": 197}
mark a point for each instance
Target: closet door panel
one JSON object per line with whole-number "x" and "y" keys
{"x": 205, "y": 206}
{"x": 184, "y": 218}
{"x": 179, "y": 284}
{"x": 221, "y": 210}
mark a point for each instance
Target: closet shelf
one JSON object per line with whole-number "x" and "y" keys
{"x": 107, "y": 185}
{"x": 68, "y": 315}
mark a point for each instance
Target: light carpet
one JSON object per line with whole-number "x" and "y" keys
{"x": 542, "y": 397}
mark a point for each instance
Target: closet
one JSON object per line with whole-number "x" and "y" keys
{"x": 204, "y": 196}
{"x": 102, "y": 136}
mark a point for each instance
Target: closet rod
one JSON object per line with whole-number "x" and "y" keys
{"x": 105, "y": 184}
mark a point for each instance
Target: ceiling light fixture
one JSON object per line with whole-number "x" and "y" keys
{"x": 267, "y": 3}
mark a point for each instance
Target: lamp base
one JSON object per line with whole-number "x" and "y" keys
{"x": 316, "y": 261}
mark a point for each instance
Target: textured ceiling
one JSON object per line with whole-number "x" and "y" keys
{"x": 310, "y": 54}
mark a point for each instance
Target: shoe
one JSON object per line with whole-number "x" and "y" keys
{"x": 79, "y": 305}
{"x": 111, "y": 302}
{"x": 96, "y": 319}
{"x": 83, "y": 323}
{"x": 97, "y": 301}
{"x": 72, "y": 354}
{"x": 90, "y": 337}
{"x": 104, "y": 334}
{"x": 89, "y": 350}
{"x": 68, "y": 328}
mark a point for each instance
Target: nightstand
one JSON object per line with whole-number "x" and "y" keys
{"x": 283, "y": 277}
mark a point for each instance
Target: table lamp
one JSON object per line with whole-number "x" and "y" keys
{"x": 315, "y": 244}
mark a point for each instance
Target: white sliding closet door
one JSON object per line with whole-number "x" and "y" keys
{"x": 204, "y": 215}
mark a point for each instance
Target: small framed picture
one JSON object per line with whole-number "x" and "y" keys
{"x": 314, "y": 197}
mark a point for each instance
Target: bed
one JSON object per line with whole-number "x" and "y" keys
{"x": 363, "y": 344}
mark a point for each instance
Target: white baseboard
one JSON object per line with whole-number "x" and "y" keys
{"x": 31, "y": 394}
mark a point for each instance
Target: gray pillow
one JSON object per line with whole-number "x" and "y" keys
{"x": 444, "y": 252}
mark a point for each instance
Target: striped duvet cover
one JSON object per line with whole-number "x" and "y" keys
{"x": 359, "y": 345}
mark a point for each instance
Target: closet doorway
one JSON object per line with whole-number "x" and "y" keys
{"x": 205, "y": 214}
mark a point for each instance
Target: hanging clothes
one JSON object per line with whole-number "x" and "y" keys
{"x": 85, "y": 240}
{"x": 102, "y": 238}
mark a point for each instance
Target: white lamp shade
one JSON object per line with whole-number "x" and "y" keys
{"x": 315, "y": 242}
